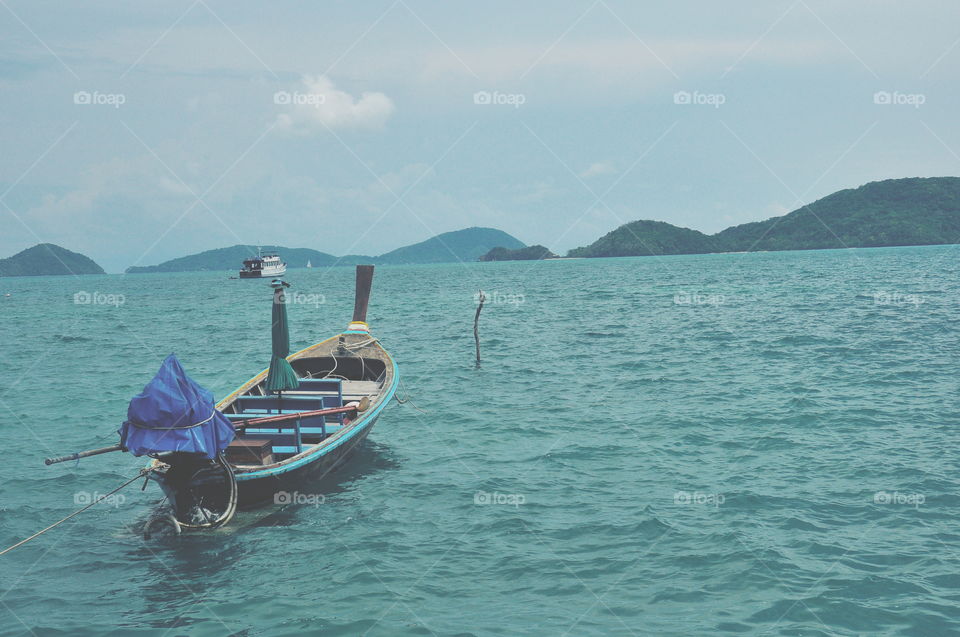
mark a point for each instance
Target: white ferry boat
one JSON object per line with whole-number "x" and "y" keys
{"x": 262, "y": 266}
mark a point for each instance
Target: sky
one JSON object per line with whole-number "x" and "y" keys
{"x": 139, "y": 132}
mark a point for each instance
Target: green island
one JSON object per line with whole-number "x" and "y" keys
{"x": 894, "y": 212}
{"x": 47, "y": 259}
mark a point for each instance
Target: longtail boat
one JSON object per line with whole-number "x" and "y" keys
{"x": 283, "y": 429}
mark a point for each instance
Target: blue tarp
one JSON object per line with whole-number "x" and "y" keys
{"x": 174, "y": 413}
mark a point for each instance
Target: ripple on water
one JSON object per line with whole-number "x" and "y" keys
{"x": 798, "y": 401}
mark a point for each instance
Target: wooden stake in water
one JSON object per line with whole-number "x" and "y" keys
{"x": 476, "y": 325}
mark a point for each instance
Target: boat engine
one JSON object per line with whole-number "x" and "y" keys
{"x": 203, "y": 492}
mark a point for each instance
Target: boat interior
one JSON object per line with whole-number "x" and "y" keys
{"x": 325, "y": 383}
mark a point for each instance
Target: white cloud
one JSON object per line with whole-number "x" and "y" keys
{"x": 598, "y": 168}
{"x": 318, "y": 104}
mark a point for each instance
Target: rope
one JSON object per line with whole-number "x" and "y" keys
{"x": 372, "y": 339}
{"x": 142, "y": 473}
{"x": 404, "y": 401}
{"x": 354, "y": 348}
{"x": 141, "y": 425}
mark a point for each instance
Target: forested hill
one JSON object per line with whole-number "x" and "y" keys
{"x": 48, "y": 259}
{"x": 895, "y": 212}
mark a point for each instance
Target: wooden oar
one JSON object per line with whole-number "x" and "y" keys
{"x": 256, "y": 422}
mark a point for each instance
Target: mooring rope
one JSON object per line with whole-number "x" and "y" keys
{"x": 142, "y": 473}
{"x": 404, "y": 401}
{"x": 356, "y": 346}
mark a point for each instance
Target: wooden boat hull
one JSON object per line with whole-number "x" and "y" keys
{"x": 263, "y": 274}
{"x": 281, "y": 489}
{"x": 365, "y": 369}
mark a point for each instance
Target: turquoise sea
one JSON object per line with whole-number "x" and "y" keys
{"x": 742, "y": 444}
